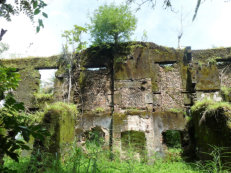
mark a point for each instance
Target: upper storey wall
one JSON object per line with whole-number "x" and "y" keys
{"x": 147, "y": 76}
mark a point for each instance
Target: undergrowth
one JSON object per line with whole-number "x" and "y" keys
{"x": 96, "y": 160}
{"x": 92, "y": 158}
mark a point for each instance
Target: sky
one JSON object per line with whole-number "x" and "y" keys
{"x": 210, "y": 29}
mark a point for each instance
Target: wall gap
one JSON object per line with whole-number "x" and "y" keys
{"x": 95, "y": 135}
{"x": 166, "y": 63}
{"x": 134, "y": 141}
{"x": 95, "y": 68}
{"x": 172, "y": 138}
{"x": 47, "y": 78}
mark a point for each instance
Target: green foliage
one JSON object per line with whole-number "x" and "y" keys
{"x": 144, "y": 37}
{"x": 215, "y": 164}
{"x": 95, "y": 159}
{"x": 176, "y": 110}
{"x": 30, "y": 8}
{"x": 135, "y": 140}
{"x": 9, "y": 79}
{"x": 213, "y": 60}
{"x": 62, "y": 108}
{"x": 226, "y": 93}
{"x": 99, "y": 109}
{"x": 112, "y": 24}
{"x": 13, "y": 120}
{"x": 172, "y": 138}
{"x": 73, "y": 38}
{"x": 43, "y": 98}
{"x": 210, "y": 108}
{"x": 210, "y": 105}
{"x": 168, "y": 68}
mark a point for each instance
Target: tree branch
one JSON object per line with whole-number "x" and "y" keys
{"x": 2, "y": 33}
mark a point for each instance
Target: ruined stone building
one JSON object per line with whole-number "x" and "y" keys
{"x": 154, "y": 88}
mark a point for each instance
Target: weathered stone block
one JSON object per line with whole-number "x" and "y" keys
{"x": 208, "y": 78}
{"x": 29, "y": 84}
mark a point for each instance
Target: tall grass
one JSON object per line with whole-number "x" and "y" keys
{"x": 216, "y": 162}
{"x": 94, "y": 159}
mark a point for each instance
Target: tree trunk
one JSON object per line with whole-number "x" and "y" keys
{"x": 69, "y": 87}
{"x": 70, "y": 80}
{"x": 112, "y": 93}
{"x": 111, "y": 105}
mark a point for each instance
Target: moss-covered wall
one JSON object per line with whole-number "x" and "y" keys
{"x": 211, "y": 128}
{"x": 30, "y": 77}
{"x": 152, "y": 84}
{"x": 32, "y": 62}
{"x": 149, "y": 82}
{"x": 29, "y": 84}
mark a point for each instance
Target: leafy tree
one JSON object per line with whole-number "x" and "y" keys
{"x": 112, "y": 24}
{"x": 73, "y": 40}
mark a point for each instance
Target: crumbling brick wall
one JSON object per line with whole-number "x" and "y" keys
{"x": 146, "y": 87}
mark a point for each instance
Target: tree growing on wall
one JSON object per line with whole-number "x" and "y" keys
{"x": 74, "y": 42}
{"x": 112, "y": 24}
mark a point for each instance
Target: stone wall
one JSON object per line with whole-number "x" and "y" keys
{"x": 30, "y": 77}
{"x": 154, "y": 87}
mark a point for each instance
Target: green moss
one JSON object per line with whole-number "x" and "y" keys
{"x": 176, "y": 110}
{"x": 212, "y": 125}
{"x": 226, "y": 93}
{"x": 168, "y": 68}
{"x": 119, "y": 118}
{"x": 61, "y": 108}
{"x": 213, "y": 59}
{"x": 210, "y": 105}
{"x": 42, "y": 98}
{"x": 82, "y": 79}
{"x": 99, "y": 110}
{"x": 32, "y": 62}
{"x": 188, "y": 119}
{"x": 135, "y": 111}
{"x": 60, "y": 72}
{"x": 59, "y": 118}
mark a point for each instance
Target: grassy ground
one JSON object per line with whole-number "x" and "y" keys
{"x": 94, "y": 159}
